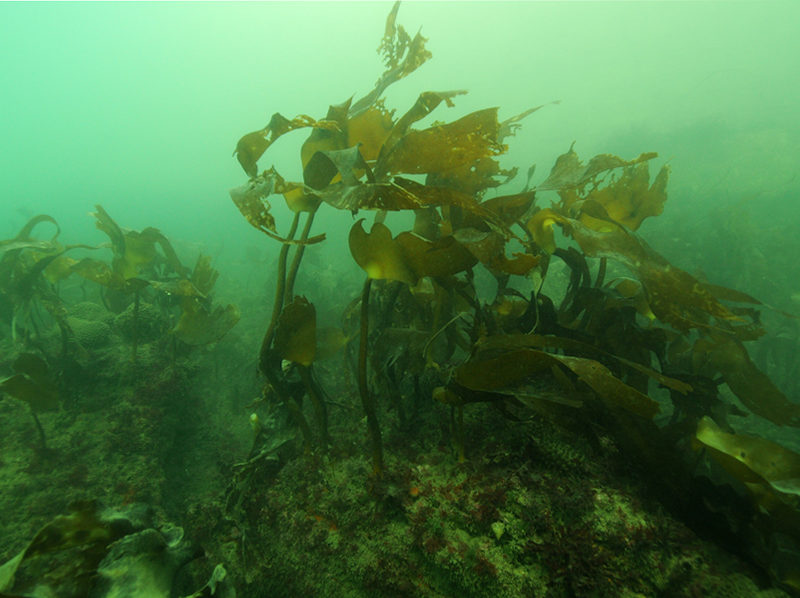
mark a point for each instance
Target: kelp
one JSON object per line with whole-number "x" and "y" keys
{"x": 369, "y": 130}
{"x": 83, "y": 530}
{"x": 402, "y": 55}
{"x": 200, "y": 322}
{"x": 33, "y": 383}
{"x": 107, "y": 553}
{"x": 628, "y": 200}
{"x": 424, "y": 326}
{"x": 367, "y": 399}
{"x": 570, "y": 174}
{"x": 379, "y": 255}
{"x": 23, "y": 237}
{"x": 512, "y": 368}
{"x": 407, "y": 257}
{"x": 489, "y": 248}
{"x": 142, "y": 262}
{"x": 296, "y": 335}
{"x": 674, "y": 296}
{"x": 440, "y": 258}
{"x": 555, "y": 343}
{"x": 510, "y": 208}
{"x": 469, "y": 139}
{"x": 135, "y": 252}
{"x": 251, "y": 200}
{"x": 770, "y": 474}
{"x": 137, "y": 265}
{"x": 252, "y": 146}
{"x": 753, "y": 460}
{"x": 28, "y": 269}
{"x": 296, "y": 341}
{"x": 759, "y": 394}
{"x": 204, "y": 276}
{"x": 459, "y": 155}
{"x": 198, "y": 325}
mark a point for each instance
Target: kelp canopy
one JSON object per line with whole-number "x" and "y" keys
{"x": 628, "y": 326}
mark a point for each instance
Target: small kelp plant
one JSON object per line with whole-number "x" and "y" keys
{"x": 144, "y": 266}
{"x": 624, "y": 322}
{"x": 137, "y": 265}
{"x": 29, "y": 269}
{"x": 31, "y": 305}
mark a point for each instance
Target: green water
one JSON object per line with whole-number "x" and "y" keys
{"x": 138, "y": 107}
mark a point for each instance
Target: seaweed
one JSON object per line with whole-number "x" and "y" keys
{"x": 29, "y": 267}
{"x": 137, "y": 268}
{"x": 33, "y": 383}
{"x": 104, "y": 552}
{"x": 596, "y": 356}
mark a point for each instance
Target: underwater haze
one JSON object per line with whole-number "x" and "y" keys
{"x": 138, "y": 106}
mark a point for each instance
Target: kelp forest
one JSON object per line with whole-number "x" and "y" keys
{"x": 524, "y": 399}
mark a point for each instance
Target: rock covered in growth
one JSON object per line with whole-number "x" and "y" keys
{"x": 146, "y": 325}
{"x": 536, "y": 511}
{"x": 91, "y": 334}
{"x": 89, "y": 310}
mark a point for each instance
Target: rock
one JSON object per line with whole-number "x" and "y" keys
{"x": 149, "y": 324}
{"x": 89, "y": 310}
{"x": 91, "y": 334}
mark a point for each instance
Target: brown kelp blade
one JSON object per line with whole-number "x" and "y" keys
{"x": 447, "y": 146}
{"x": 331, "y": 138}
{"x": 515, "y": 367}
{"x": 32, "y": 383}
{"x": 348, "y": 164}
{"x": 489, "y": 248}
{"x": 370, "y": 130}
{"x": 296, "y": 333}
{"x": 15, "y": 245}
{"x": 136, "y": 250}
{"x": 510, "y": 208}
{"x": 199, "y": 325}
{"x": 751, "y": 459}
{"x": 401, "y": 54}
{"x": 253, "y": 145}
{"x": 510, "y": 125}
{"x": 675, "y": 296}
{"x": 106, "y": 223}
{"x": 570, "y": 173}
{"x": 443, "y": 257}
{"x": 753, "y": 387}
{"x": 378, "y": 254}
{"x": 408, "y": 257}
{"x": 551, "y": 343}
{"x": 629, "y": 200}
{"x": 23, "y": 238}
{"x": 540, "y": 226}
{"x": 204, "y": 276}
{"x": 425, "y": 104}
